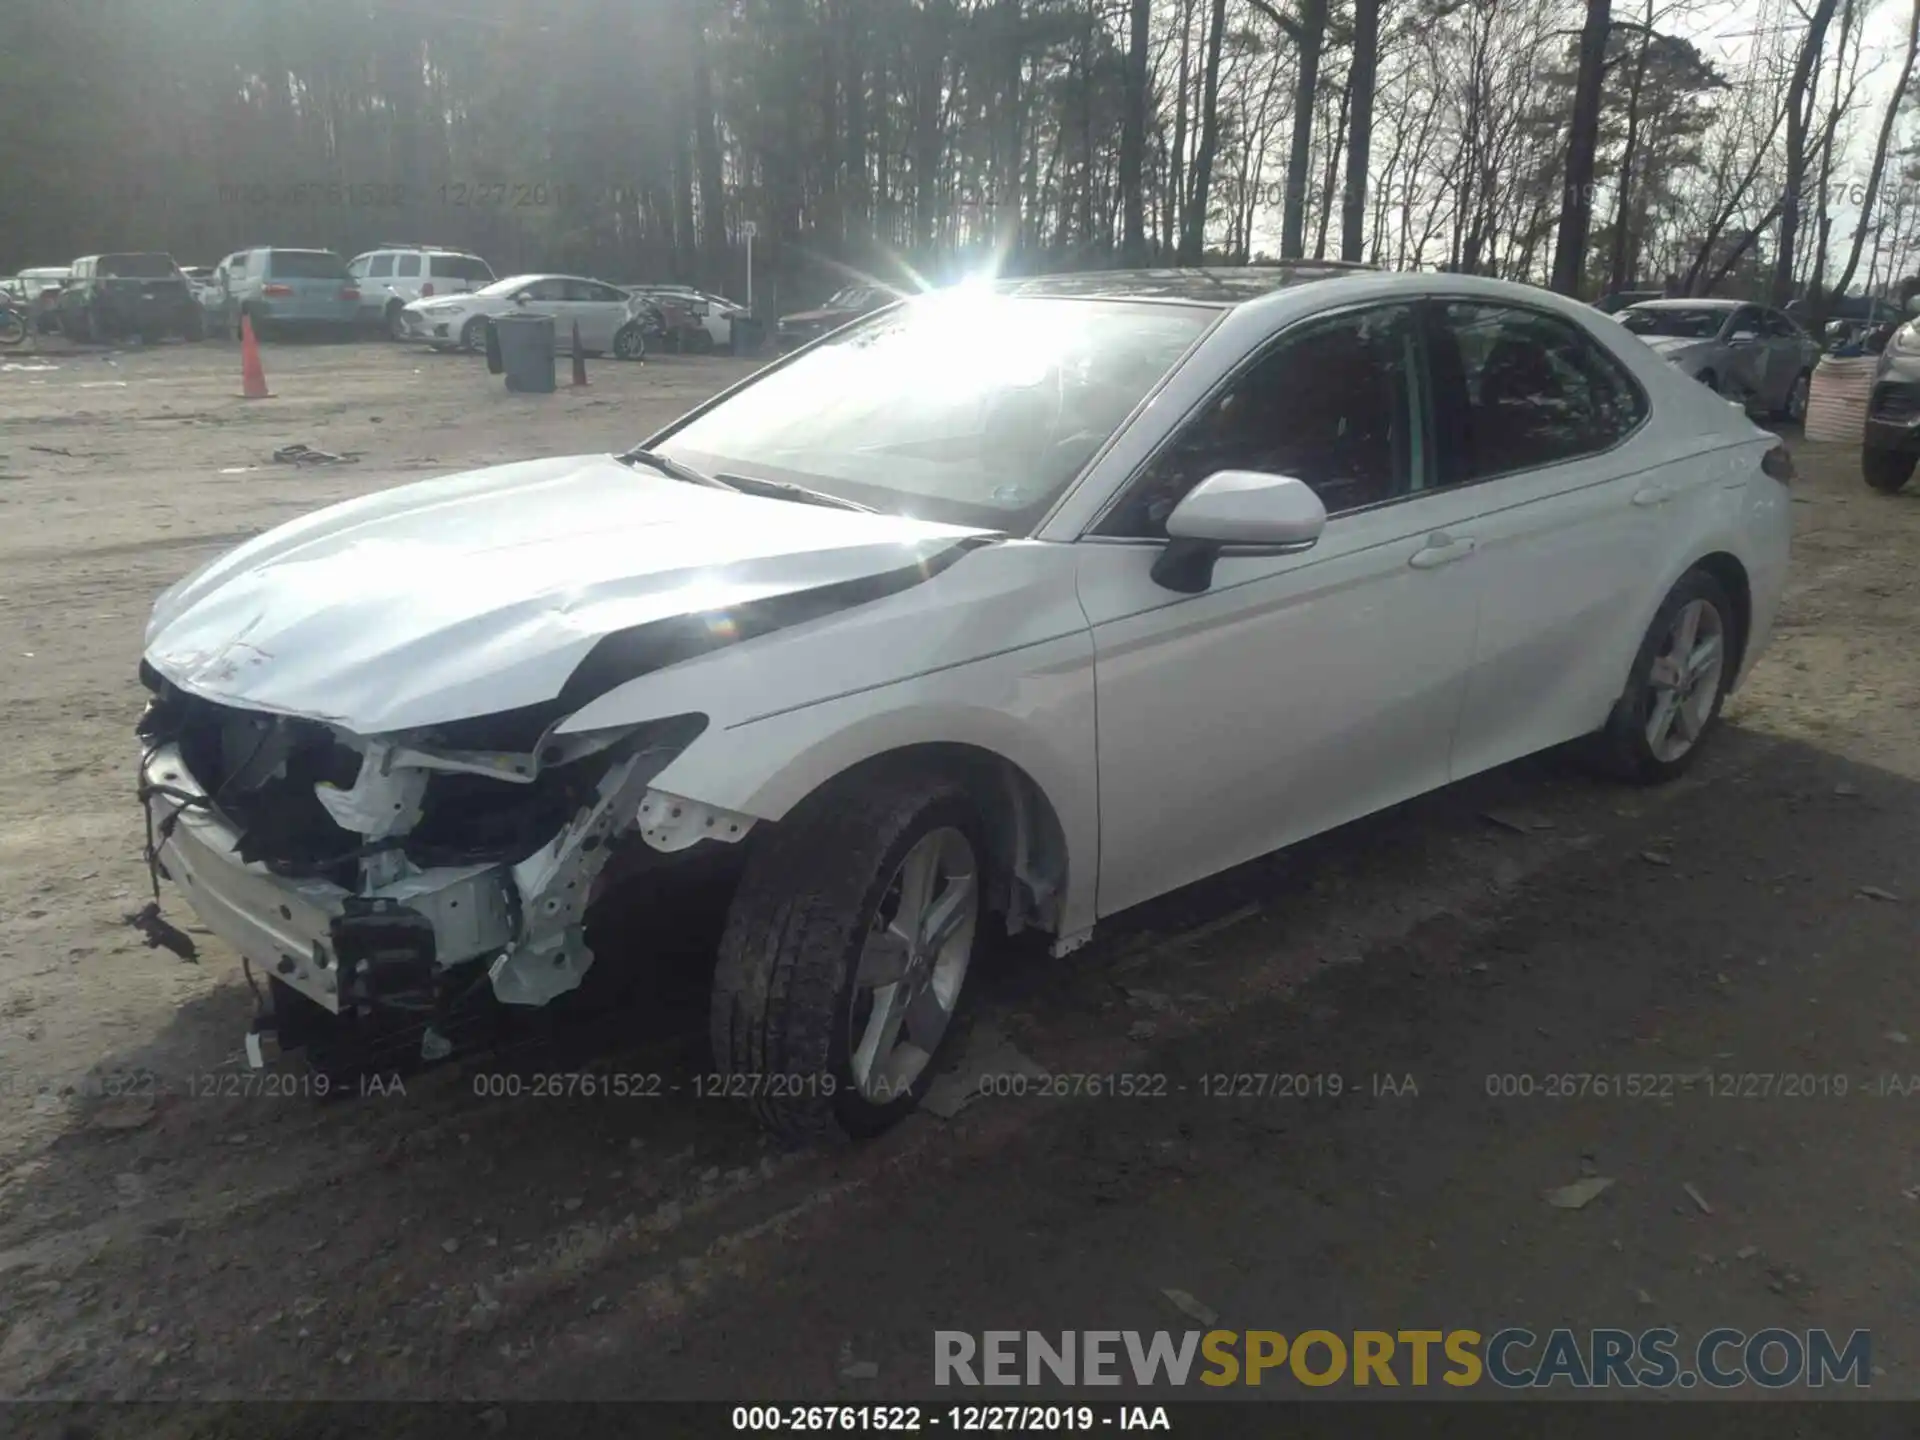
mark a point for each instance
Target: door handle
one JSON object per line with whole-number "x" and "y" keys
{"x": 1441, "y": 550}
{"x": 1652, "y": 495}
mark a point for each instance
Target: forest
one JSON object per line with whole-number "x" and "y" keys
{"x": 1590, "y": 145}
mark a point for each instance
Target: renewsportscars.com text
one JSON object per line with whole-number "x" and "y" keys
{"x": 1511, "y": 1358}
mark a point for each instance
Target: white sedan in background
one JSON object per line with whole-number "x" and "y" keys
{"x": 1308, "y": 541}
{"x": 606, "y": 314}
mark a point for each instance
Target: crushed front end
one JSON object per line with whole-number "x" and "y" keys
{"x": 389, "y": 880}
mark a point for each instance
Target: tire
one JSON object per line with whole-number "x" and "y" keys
{"x": 1886, "y": 470}
{"x": 699, "y": 342}
{"x": 396, "y": 328}
{"x": 629, "y": 343}
{"x": 473, "y": 335}
{"x": 1710, "y": 380}
{"x": 786, "y": 999}
{"x": 1795, "y": 410}
{"x": 1626, "y": 747}
{"x": 194, "y": 327}
{"x": 13, "y": 329}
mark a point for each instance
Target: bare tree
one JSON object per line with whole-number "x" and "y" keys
{"x": 1583, "y": 138}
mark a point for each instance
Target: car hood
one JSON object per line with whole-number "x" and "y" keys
{"x": 482, "y": 592}
{"x": 815, "y": 317}
{"x": 1673, "y": 347}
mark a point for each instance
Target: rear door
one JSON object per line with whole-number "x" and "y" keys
{"x": 1539, "y": 422}
{"x": 601, "y": 309}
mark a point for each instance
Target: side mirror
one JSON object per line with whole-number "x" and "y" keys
{"x": 1236, "y": 512}
{"x": 522, "y": 298}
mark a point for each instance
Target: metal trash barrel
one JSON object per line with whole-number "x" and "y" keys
{"x": 746, "y": 335}
{"x": 526, "y": 352}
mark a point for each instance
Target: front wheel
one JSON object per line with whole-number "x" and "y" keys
{"x": 473, "y": 335}
{"x": 845, "y": 954}
{"x": 13, "y": 329}
{"x": 629, "y": 343}
{"x": 1886, "y": 470}
{"x": 1679, "y": 680}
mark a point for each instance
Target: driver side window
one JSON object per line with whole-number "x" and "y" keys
{"x": 1330, "y": 404}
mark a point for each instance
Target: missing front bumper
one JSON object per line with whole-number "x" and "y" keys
{"x": 316, "y": 937}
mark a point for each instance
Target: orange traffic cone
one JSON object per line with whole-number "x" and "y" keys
{"x": 253, "y": 378}
{"x": 579, "y": 359}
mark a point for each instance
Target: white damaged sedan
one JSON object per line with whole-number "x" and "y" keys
{"x": 1008, "y": 607}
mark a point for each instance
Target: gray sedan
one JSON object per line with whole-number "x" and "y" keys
{"x": 1746, "y": 352}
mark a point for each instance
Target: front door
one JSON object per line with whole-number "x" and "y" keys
{"x": 1296, "y": 692}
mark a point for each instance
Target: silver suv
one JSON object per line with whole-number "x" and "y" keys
{"x": 394, "y": 276}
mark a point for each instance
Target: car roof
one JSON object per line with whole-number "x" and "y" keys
{"x": 1218, "y": 285}
{"x": 1704, "y": 303}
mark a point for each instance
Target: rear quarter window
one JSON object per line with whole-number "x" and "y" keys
{"x": 462, "y": 267}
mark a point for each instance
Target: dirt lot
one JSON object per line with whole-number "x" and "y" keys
{"x": 1757, "y": 919}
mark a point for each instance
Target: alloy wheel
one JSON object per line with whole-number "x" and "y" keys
{"x": 912, "y": 965}
{"x": 1684, "y": 683}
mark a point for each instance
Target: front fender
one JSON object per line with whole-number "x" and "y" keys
{"x": 1033, "y": 707}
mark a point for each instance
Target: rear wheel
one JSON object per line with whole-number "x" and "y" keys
{"x": 1886, "y": 470}
{"x": 193, "y": 326}
{"x": 1679, "y": 680}
{"x": 846, "y": 951}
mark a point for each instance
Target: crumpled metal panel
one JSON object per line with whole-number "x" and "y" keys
{"x": 481, "y": 592}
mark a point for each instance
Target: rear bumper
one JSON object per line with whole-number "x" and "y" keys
{"x": 301, "y": 931}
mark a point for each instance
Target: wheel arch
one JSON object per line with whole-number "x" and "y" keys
{"x": 1726, "y": 568}
{"x": 1044, "y": 843}
{"x": 1022, "y": 828}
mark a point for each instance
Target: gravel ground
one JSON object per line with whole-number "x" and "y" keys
{"x": 1756, "y": 919}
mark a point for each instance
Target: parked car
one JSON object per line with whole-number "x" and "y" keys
{"x": 609, "y": 318}
{"x": 132, "y": 293}
{"x": 283, "y": 290}
{"x": 394, "y": 276}
{"x": 1891, "y": 441}
{"x": 1618, "y": 300}
{"x": 844, "y": 307}
{"x": 1750, "y": 353}
{"x": 849, "y": 627}
{"x": 40, "y": 287}
{"x": 710, "y": 318}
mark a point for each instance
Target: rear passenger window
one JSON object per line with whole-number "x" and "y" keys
{"x": 408, "y": 265}
{"x": 1519, "y": 389}
{"x": 380, "y": 267}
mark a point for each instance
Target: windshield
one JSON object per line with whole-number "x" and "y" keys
{"x": 306, "y": 265}
{"x": 1681, "y": 323}
{"x": 137, "y": 267}
{"x": 963, "y": 408}
{"x": 508, "y": 286}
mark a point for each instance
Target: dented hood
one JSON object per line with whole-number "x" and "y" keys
{"x": 482, "y": 592}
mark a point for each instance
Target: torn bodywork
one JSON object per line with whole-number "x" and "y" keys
{"x": 398, "y": 875}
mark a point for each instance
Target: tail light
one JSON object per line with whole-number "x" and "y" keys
{"x": 349, "y": 293}
{"x": 277, "y": 290}
{"x": 1778, "y": 462}
{"x": 426, "y": 290}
